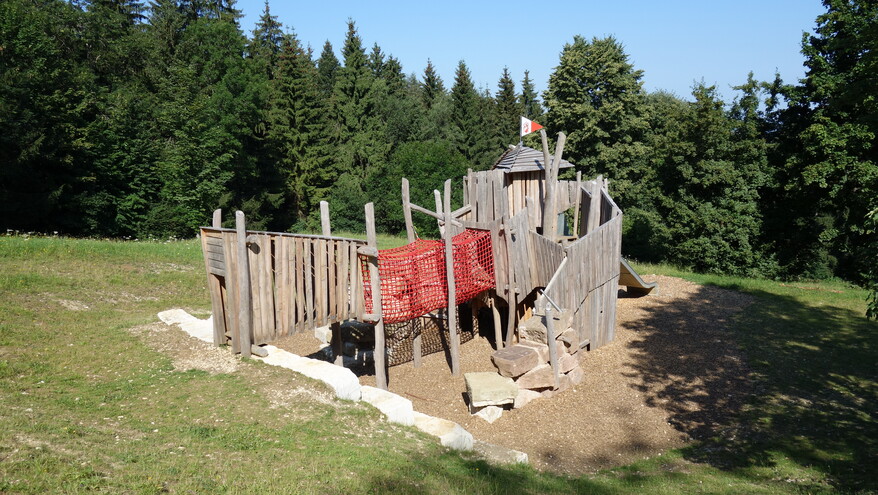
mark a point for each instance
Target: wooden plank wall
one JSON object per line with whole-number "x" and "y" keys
{"x": 588, "y": 283}
{"x": 546, "y": 255}
{"x": 298, "y": 282}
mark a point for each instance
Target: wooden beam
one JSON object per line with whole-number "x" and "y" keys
{"x": 454, "y": 339}
{"x": 375, "y": 282}
{"x": 243, "y": 284}
{"x": 463, "y": 210}
{"x": 407, "y": 211}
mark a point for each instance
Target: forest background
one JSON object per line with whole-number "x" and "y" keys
{"x": 122, "y": 119}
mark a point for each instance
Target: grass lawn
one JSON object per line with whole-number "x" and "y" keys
{"x": 89, "y": 406}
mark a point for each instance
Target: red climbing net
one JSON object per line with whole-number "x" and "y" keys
{"x": 413, "y": 277}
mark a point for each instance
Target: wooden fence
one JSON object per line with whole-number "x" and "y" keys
{"x": 296, "y": 283}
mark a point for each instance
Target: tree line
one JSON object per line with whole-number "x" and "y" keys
{"x": 125, "y": 119}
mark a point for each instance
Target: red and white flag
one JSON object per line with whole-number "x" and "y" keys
{"x": 528, "y": 126}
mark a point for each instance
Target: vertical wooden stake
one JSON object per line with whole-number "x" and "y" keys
{"x": 243, "y": 284}
{"x": 547, "y": 173}
{"x": 410, "y": 233}
{"x": 438, "y": 199}
{"x": 498, "y": 332}
{"x": 594, "y": 209}
{"x": 375, "y": 282}
{"x": 510, "y": 323}
{"x": 454, "y": 339}
{"x": 578, "y": 200}
{"x": 552, "y": 190}
{"x": 217, "y": 218}
{"x": 324, "y": 218}
{"x": 407, "y": 211}
{"x": 553, "y": 349}
{"x": 337, "y": 344}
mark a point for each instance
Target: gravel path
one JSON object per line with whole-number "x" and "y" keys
{"x": 673, "y": 373}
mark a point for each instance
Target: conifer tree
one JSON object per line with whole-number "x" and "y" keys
{"x": 508, "y": 110}
{"x": 298, "y": 129}
{"x": 265, "y": 44}
{"x": 473, "y": 134}
{"x": 327, "y": 69}
{"x": 529, "y": 100}
{"x": 359, "y": 132}
{"x": 432, "y": 87}
{"x": 595, "y": 96}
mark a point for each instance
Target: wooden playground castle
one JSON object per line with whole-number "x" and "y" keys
{"x": 549, "y": 248}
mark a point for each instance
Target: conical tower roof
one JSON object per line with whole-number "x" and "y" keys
{"x": 520, "y": 158}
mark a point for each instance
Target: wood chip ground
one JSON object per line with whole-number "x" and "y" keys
{"x": 673, "y": 373}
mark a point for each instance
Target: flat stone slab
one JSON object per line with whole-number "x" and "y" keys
{"x": 542, "y": 349}
{"x": 396, "y": 408}
{"x": 341, "y": 380}
{"x": 449, "y": 433}
{"x": 539, "y": 377}
{"x": 200, "y": 329}
{"x": 486, "y": 388}
{"x": 525, "y": 397}
{"x": 489, "y": 413}
{"x": 498, "y": 455}
{"x": 515, "y": 360}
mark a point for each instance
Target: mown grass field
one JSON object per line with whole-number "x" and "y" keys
{"x": 89, "y": 406}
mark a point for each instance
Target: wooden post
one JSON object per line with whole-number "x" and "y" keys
{"x": 547, "y": 173}
{"x": 407, "y": 211}
{"x": 217, "y": 219}
{"x": 324, "y": 218}
{"x": 243, "y": 284}
{"x": 552, "y": 201}
{"x": 454, "y": 339}
{"x": 578, "y": 199}
{"x": 510, "y": 322}
{"x": 334, "y": 324}
{"x": 594, "y": 209}
{"x": 438, "y": 199}
{"x": 553, "y": 350}
{"x": 375, "y": 282}
{"x": 213, "y": 283}
{"x": 498, "y": 332}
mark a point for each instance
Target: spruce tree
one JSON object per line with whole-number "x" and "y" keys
{"x": 265, "y": 44}
{"x": 432, "y": 87}
{"x": 508, "y": 110}
{"x": 359, "y": 132}
{"x": 298, "y": 129}
{"x": 529, "y": 101}
{"x": 327, "y": 69}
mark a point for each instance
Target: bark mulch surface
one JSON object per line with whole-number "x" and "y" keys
{"x": 673, "y": 373}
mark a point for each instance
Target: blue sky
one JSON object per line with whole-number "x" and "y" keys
{"x": 674, "y": 42}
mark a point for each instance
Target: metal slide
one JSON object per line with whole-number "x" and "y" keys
{"x": 629, "y": 278}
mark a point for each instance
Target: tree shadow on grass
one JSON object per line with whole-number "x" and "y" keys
{"x": 776, "y": 378}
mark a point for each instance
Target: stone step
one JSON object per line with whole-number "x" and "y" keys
{"x": 341, "y": 380}
{"x": 396, "y": 408}
{"x": 449, "y": 433}
{"x": 499, "y": 455}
